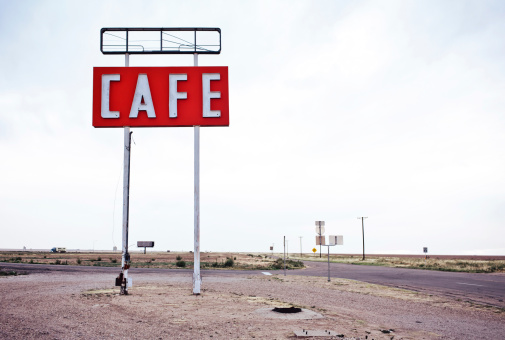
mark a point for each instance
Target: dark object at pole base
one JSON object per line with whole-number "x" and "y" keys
{"x": 121, "y": 282}
{"x": 287, "y": 310}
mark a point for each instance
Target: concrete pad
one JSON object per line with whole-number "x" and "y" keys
{"x": 310, "y": 333}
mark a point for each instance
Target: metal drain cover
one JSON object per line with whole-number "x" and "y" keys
{"x": 305, "y": 314}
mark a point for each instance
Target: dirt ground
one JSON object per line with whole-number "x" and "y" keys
{"x": 70, "y": 305}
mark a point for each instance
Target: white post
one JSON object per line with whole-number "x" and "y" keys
{"x": 197, "y": 280}
{"x": 284, "y": 255}
{"x": 126, "y": 199}
{"x": 301, "y": 246}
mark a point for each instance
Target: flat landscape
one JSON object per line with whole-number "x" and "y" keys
{"x": 55, "y": 301}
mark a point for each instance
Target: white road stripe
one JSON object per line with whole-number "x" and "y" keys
{"x": 266, "y": 273}
{"x": 469, "y": 284}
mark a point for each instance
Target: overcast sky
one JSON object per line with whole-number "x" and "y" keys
{"x": 394, "y": 110}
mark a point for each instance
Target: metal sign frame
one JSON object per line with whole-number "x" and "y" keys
{"x": 186, "y": 47}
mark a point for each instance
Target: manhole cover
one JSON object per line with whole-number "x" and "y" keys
{"x": 288, "y": 310}
{"x": 304, "y": 314}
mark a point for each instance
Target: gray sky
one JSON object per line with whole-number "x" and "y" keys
{"x": 392, "y": 110}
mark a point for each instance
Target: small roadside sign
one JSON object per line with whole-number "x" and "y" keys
{"x": 314, "y": 250}
{"x": 425, "y": 250}
{"x": 320, "y": 240}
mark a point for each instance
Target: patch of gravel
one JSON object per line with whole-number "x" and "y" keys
{"x": 60, "y": 305}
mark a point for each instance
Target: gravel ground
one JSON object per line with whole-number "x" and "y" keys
{"x": 60, "y": 305}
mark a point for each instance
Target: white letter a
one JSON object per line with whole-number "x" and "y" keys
{"x": 142, "y": 91}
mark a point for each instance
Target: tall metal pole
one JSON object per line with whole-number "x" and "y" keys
{"x": 328, "y": 263}
{"x": 125, "y": 258}
{"x": 363, "y": 233}
{"x": 197, "y": 280}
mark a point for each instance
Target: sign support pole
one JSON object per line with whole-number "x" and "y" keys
{"x": 197, "y": 280}
{"x": 125, "y": 258}
{"x": 320, "y": 243}
{"x": 328, "y": 263}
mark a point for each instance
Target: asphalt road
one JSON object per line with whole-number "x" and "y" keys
{"x": 481, "y": 288}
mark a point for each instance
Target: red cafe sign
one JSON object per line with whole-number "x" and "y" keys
{"x": 160, "y": 96}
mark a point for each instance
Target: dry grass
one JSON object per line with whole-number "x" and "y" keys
{"x": 251, "y": 261}
{"x": 453, "y": 265}
{"x": 208, "y": 260}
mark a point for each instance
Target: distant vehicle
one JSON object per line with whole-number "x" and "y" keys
{"x": 59, "y": 250}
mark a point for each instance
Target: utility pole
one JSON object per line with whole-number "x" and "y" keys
{"x": 363, "y": 233}
{"x": 300, "y": 246}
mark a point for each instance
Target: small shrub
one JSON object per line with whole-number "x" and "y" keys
{"x": 57, "y": 262}
{"x": 99, "y": 258}
{"x": 235, "y": 258}
{"x": 113, "y": 260}
{"x": 215, "y": 264}
{"x": 45, "y": 256}
{"x": 178, "y": 258}
{"x": 31, "y": 261}
{"x": 290, "y": 264}
{"x": 181, "y": 263}
{"x": 9, "y": 273}
{"x": 79, "y": 261}
{"x": 229, "y": 263}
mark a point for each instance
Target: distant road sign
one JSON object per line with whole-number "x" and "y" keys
{"x": 320, "y": 230}
{"x": 320, "y": 240}
{"x": 314, "y": 250}
{"x": 336, "y": 240}
{"x": 425, "y": 249}
{"x": 142, "y": 244}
